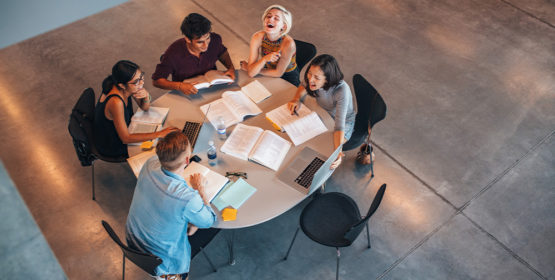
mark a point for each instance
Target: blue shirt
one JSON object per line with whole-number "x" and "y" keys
{"x": 162, "y": 206}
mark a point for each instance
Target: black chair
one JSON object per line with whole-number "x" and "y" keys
{"x": 333, "y": 219}
{"x": 146, "y": 262}
{"x": 305, "y": 52}
{"x": 199, "y": 240}
{"x": 371, "y": 110}
{"x": 80, "y": 128}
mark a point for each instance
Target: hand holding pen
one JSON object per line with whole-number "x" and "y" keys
{"x": 294, "y": 106}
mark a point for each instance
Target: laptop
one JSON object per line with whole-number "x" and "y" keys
{"x": 308, "y": 170}
{"x": 192, "y": 130}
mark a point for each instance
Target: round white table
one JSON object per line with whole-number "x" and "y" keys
{"x": 272, "y": 197}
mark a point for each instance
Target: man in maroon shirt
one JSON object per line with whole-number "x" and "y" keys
{"x": 193, "y": 55}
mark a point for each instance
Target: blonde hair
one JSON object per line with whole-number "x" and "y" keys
{"x": 287, "y": 17}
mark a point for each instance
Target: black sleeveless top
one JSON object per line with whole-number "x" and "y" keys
{"x": 105, "y": 135}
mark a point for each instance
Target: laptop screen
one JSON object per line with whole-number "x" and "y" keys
{"x": 324, "y": 172}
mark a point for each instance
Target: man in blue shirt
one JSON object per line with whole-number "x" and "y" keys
{"x": 164, "y": 204}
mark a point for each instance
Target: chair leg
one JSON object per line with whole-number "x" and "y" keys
{"x": 92, "y": 167}
{"x": 291, "y": 245}
{"x": 368, "y": 235}
{"x": 337, "y": 270}
{"x": 371, "y": 162}
{"x": 123, "y": 268}
{"x": 208, "y": 259}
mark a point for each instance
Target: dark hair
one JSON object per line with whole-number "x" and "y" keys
{"x": 195, "y": 25}
{"x": 122, "y": 72}
{"x": 331, "y": 70}
{"x": 170, "y": 148}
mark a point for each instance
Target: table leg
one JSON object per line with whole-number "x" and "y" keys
{"x": 230, "y": 247}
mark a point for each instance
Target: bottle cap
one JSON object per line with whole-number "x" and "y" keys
{"x": 210, "y": 143}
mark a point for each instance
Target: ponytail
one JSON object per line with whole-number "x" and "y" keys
{"x": 108, "y": 84}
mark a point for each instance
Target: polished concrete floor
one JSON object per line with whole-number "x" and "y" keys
{"x": 466, "y": 148}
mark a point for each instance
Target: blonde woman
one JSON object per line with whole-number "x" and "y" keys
{"x": 272, "y": 51}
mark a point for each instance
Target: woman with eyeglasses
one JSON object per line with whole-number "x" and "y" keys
{"x": 114, "y": 110}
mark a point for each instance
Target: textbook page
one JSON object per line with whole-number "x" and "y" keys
{"x": 136, "y": 162}
{"x": 305, "y": 128}
{"x": 216, "y": 77}
{"x": 155, "y": 115}
{"x": 219, "y": 108}
{"x": 212, "y": 77}
{"x": 281, "y": 115}
{"x": 241, "y": 141}
{"x": 233, "y": 107}
{"x": 242, "y": 105}
{"x": 270, "y": 150}
{"x": 140, "y": 127}
{"x": 214, "y": 181}
{"x": 198, "y": 82}
{"x": 256, "y": 91}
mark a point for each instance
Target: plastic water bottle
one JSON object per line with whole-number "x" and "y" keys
{"x": 212, "y": 153}
{"x": 221, "y": 128}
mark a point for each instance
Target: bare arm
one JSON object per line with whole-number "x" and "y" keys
{"x": 287, "y": 51}
{"x": 225, "y": 59}
{"x": 186, "y": 88}
{"x": 254, "y": 64}
{"x": 338, "y": 139}
{"x": 295, "y": 103}
{"x": 115, "y": 111}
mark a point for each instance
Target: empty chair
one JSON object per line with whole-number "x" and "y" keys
{"x": 333, "y": 219}
{"x": 305, "y": 52}
{"x": 146, "y": 262}
{"x": 371, "y": 110}
{"x": 80, "y": 128}
{"x": 199, "y": 240}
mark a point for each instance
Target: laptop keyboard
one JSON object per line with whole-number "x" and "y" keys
{"x": 305, "y": 179}
{"x": 191, "y": 130}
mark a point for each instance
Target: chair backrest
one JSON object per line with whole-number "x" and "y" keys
{"x": 371, "y": 106}
{"x": 305, "y": 52}
{"x": 355, "y": 230}
{"x": 146, "y": 262}
{"x": 81, "y": 126}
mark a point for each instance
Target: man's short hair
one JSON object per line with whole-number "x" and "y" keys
{"x": 195, "y": 26}
{"x": 170, "y": 148}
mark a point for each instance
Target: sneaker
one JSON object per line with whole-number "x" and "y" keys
{"x": 169, "y": 277}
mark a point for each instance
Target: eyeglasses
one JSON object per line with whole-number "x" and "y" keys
{"x": 141, "y": 78}
{"x": 236, "y": 174}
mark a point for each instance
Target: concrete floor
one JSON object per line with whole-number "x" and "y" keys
{"x": 466, "y": 148}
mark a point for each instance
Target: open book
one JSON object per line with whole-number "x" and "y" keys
{"x": 137, "y": 161}
{"x": 254, "y": 143}
{"x": 256, "y": 91}
{"x": 301, "y": 128}
{"x": 148, "y": 121}
{"x": 212, "y": 77}
{"x": 214, "y": 181}
{"x": 233, "y": 107}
